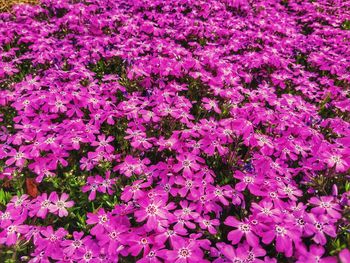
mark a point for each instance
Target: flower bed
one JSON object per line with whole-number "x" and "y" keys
{"x": 175, "y": 131}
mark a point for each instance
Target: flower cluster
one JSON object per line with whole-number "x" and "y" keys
{"x": 175, "y": 131}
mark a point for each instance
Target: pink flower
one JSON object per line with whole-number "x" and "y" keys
{"x": 188, "y": 187}
{"x": 283, "y": 231}
{"x": 223, "y": 193}
{"x": 188, "y": 211}
{"x": 132, "y": 165}
{"x": 141, "y": 143}
{"x": 50, "y": 241}
{"x": 139, "y": 241}
{"x": 153, "y": 256}
{"x": 211, "y": 144}
{"x": 264, "y": 210}
{"x": 115, "y": 239}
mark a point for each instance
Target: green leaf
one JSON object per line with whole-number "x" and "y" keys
{"x": 347, "y": 186}
{"x": 346, "y": 25}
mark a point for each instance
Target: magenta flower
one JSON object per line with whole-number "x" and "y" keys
{"x": 188, "y": 163}
{"x": 139, "y": 242}
{"x": 344, "y": 256}
{"x": 318, "y": 226}
{"x": 247, "y": 180}
{"x": 243, "y": 253}
{"x": 184, "y": 251}
{"x": 230, "y": 253}
{"x": 243, "y": 229}
{"x": 284, "y": 233}
{"x": 325, "y": 205}
{"x": 11, "y": 233}
{"x": 223, "y": 193}
{"x": 101, "y": 220}
{"x": 135, "y": 191}
{"x": 337, "y": 160}
{"x": 155, "y": 211}
{"x": 50, "y": 241}
{"x": 188, "y": 211}
{"x": 18, "y": 157}
{"x": 210, "y": 105}
{"x": 93, "y": 184}
{"x": 264, "y": 210}
{"x": 7, "y": 69}
{"x": 103, "y": 143}
{"x": 188, "y": 187}
{"x": 208, "y": 224}
{"x": 132, "y": 166}
{"x": 41, "y": 206}
{"x": 315, "y": 255}
{"x": 115, "y": 240}
{"x": 59, "y": 205}
{"x": 142, "y": 143}
{"x": 19, "y": 202}
{"x": 211, "y": 144}
{"x": 71, "y": 246}
{"x": 204, "y": 111}
{"x": 154, "y": 256}
{"x": 89, "y": 253}
{"x": 107, "y": 184}
{"x": 40, "y": 256}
